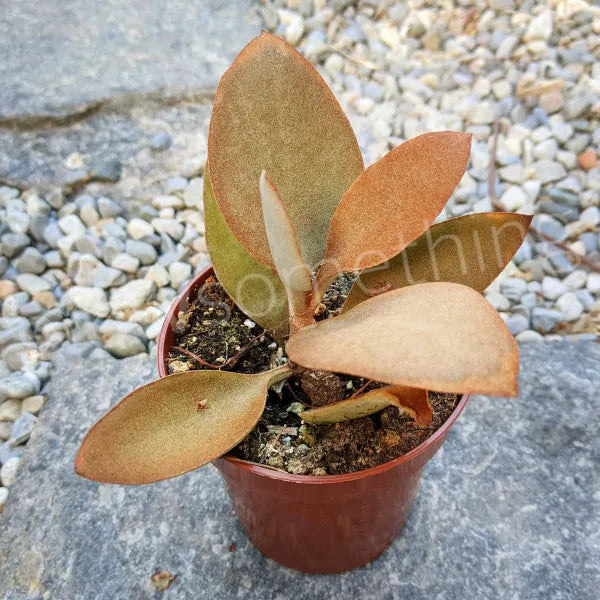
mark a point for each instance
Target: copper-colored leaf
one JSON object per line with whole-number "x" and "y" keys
{"x": 438, "y": 336}
{"x": 255, "y": 288}
{"x": 282, "y": 239}
{"x": 394, "y": 201}
{"x": 472, "y": 250}
{"x": 412, "y": 400}
{"x": 174, "y": 425}
{"x": 273, "y": 111}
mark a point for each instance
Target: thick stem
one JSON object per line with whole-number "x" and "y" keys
{"x": 279, "y": 374}
{"x": 301, "y": 312}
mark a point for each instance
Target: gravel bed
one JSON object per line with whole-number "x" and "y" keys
{"x": 80, "y": 273}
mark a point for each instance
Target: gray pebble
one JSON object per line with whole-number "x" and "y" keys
{"x": 143, "y": 251}
{"x": 529, "y": 336}
{"x": 107, "y": 277}
{"x": 112, "y": 247}
{"x": 99, "y": 354}
{"x": 105, "y": 169}
{"x": 497, "y": 300}
{"x": 562, "y": 196}
{"x": 553, "y": 288}
{"x": 9, "y": 459}
{"x": 547, "y": 171}
{"x": 517, "y": 323}
{"x": 108, "y": 208}
{"x": 545, "y": 320}
{"x": 17, "y": 385}
{"x": 111, "y": 327}
{"x": 561, "y": 263}
{"x": 22, "y": 429}
{"x": 13, "y": 243}
{"x": 31, "y": 309}
{"x": 88, "y": 244}
{"x": 160, "y": 141}
{"x": 12, "y": 305}
{"x": 31, "y": 261}
{"x": 569, "y": 306}
{"x": 132, "y": 295}
{"x": 513, "y": 288}
{"x": 550, "y": 226}
{"x": 175, "y": 184}
{"x": 70, "y": 351}
{"x": 122, "y": 345}
{"x": 587, "y": 300}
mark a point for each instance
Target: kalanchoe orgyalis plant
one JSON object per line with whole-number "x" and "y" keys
{"x": 288, "y": 207}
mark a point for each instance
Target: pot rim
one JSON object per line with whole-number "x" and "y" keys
{"x": 271, "y": 473}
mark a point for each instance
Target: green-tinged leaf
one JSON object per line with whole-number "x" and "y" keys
{"x": 174, "y": 425}
{"x": 254, "y": 288}
{"x": 472, "y": 250}
{"x": 414, "y": 401}
{"x": 437, "y": 336}
{"x": 273, "y": 111}
{"x": 393, "y": 202}
{"x": 283, "y": 243}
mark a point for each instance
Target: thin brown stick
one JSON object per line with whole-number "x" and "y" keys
{"x": 196, "y": 358}
{"x": 578, "y": 257}
{"x": 361, "y": 388}
{"x": 233, "y": 360}
{"x": 498, "y": 206}
{"x": 230, "y": 362}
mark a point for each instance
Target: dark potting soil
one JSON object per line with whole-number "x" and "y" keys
{"x": 214, "y": 332}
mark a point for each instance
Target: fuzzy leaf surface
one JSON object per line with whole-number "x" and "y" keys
{"x": 256, "y": 290}
{"x": 412, "y": 400}
{"x": 273, "y": 111}
{"x": 472, "y": 250}
{"x": 438, "y": 336}
{"x": 394, "y": 201}
{"x": 282, "y": 239}
{"x": 173, "y": 425}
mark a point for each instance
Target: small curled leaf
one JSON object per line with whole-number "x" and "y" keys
{"x": 414, "y": 401}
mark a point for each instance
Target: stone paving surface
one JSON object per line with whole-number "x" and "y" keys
{"x": 507, "y": 509}
{"x": 60, "y": 58}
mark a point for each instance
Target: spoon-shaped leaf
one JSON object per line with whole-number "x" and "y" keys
{"x": 282, "y": 239}
{"x": 273, "y": 111}
{"x": 286, "y": 254}
{"x": 471, "y": 250}
{"x": 393, "y": 202}
{"x": 414, "y": 401}
{"x": 254, "y": 288}
{"x": 173, "y": 425}
{"x": 437, "y": 336}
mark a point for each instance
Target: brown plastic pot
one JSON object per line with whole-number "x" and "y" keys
{"x": 318, "y": 524}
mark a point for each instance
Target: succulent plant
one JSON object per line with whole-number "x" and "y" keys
{"x": 289, "y": 207}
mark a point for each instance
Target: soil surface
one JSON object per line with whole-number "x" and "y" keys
{"x": 213, "y": 332}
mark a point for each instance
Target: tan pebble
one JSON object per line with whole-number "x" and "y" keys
{"x": 10, "y": 410}
{"x": 47, "y": 299}
{"x": 5, "y": 430}
{"x": 199, "y": 244}
{"x": 33, "y": 404}
{"x": 588, "y": 159}
{"x": 7, "y": 288}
